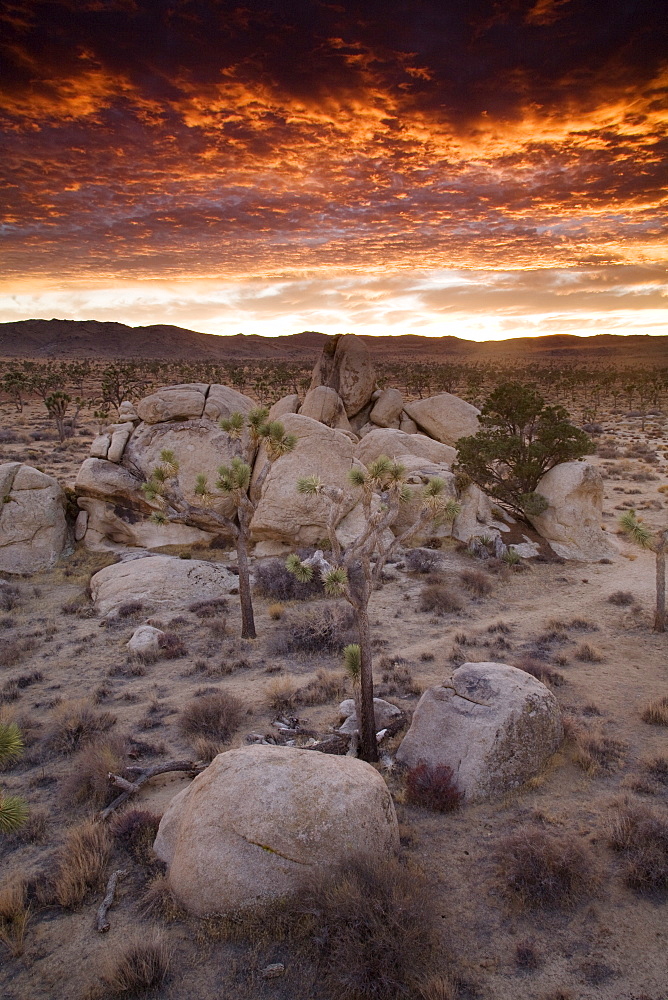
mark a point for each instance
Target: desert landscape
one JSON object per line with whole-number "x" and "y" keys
{"x": 551, "y": 887}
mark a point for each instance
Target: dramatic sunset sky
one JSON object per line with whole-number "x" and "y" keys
{"x": 469, "y": 167}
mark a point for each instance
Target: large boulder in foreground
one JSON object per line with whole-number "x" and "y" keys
{"x": 262, "y": 820}
{"x": 444, "y": 417}
{"x": 285, "y": 515}
{"x": 161, "y": 583}
{"x": 33, "y": 530}
{"x": 346, "y": 366}
{"x": 572, "y": 522}
{"x": 496, "y": 729}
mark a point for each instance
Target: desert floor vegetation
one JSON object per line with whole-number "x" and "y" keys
{"x": 591, "y": 924}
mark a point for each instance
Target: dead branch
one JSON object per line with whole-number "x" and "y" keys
{"x": 102, "y": 924}
{"x": 144, "y": 775}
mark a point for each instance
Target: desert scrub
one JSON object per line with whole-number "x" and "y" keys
{"x": 586, "y": 653}
{"x": 324, "y": 628}
{"x": 213, "y": 716}
{"x": 540, "y": 671}
{"x": 397, "y": 679}
{"x": 139, "y": 966}
{"x": 433, "y": 787}
{"x": 476, "y": 582}
{"x": 438, "y": 599}
{"x": 422, "y": 560}
{"x": 73, "y": 724}
{"x": 366, "y": 930}
{"x": 640, "y": 835}
{"x": 14, "y": 915}
{"x": 621, "y": 598}
{"x": 135, "y": 830}
{"x": 536, "y": 868}
{"x": 274, "y": 581}
{"x": 80, "y": 864}
{"x": 656, "y": 712}
{"x": 88, "y": 781}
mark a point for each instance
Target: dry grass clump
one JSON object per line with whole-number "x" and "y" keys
{"x": 12, "y": 652}
{"x": 140, "y": 966}
{"x": 540, "y": 671}
{"x": 365, "y": 931}
{"x": 274, "y": 581}
{"x": 397, "y": 679}
{"x": 325, "y": 686}
{"x": 527, "y": 956}
{"x": 476, "y": 582}
{"x": 433, "y": 787}
{"x": 171, "y": 646}
{"x": 422, "y": 560}
{"x": 438, "y": 599}
{"x": 276, "y": 611}
{"x": 537, "y": 868}
{"x": 159, "y": 901}
{"x": 209, "y": 609}
{"x": 10, "y": 596}
{"x": 656, "y": 712}
{"x": 657, "y": 768}
{"x": 14, "y": 916}
{"x": 213, "y": 716}
{"x": 622, "y": 598}
{"x": 135, "y": 830}
{"x": 325, "y": 628}
{"x": 282, "y": 694}
{"x": 595, "y": 752}
{"x": 130, "y": 609}
{"x": 80, "y": 863}
{"x": 640, "y": 835}
{"x": 586, "y": 653}
{"x": 88, "y": 778}
{"x": 75, "y": 723}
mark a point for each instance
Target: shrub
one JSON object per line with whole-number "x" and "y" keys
{"x": 273, "y": 580}
{"x": 130, "y": 609}
{"x": 526, "y": 955}
{"x": 422, "y": 560}
{"x": 324, "y": 628}
{"x": 10, "y": 596}
{"x": 142, "y": 965}
{"x": 215, "y": 716}
{"x": 640, "y": 835}
{"x": 656, "y": 712}
{"x": 540, "y": 671}
{"x": 282, "y": 695}
{"x": 135, "y": 830}
{"x": 14, "y": 915}
{"x": 324, "y": 687}
{"x": 397, "y": 679}
{"x": 75, "y": 723}
{"x": 88, "y": 778}
{"x": 209, "y": 609}
{"x": 657, "y": 767}
{"x": 622, "y": 598}
{"x": 159, "y": 901}
{"x": 433, "y": 787}
{"x": 587, "y": 653}
{"x": 540, "y": 869}
{"x": 476, "y": 582}
{"x": 436, "y": 598}
{"x": 80, "y": 863}
{"x": 171, "y": 646}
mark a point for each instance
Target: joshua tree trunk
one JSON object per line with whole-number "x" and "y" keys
{"x": 660, "y": 615}
{"x": 245, "y": 598}
{"x": 366, "y": 721}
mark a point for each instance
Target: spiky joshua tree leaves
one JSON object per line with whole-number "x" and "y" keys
{"x": 638, "y": 532}
{"x": 353, "y": 571}
{"x": 13, "y": 810}
{"x": 233, "y": 482}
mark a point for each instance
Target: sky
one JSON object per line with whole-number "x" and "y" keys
{"x": 478, "y": 168}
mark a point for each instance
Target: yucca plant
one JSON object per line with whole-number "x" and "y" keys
{"x": 13, "y": 810}
{"x": 353, "y": 572}
{"x": 234, "y": 481}
{"x": 637, "y": 531}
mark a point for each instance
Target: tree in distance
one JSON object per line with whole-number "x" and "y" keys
{"x": 234, "y": 481}
{"x": 638, "y": 532}
{"x": 522, "y": 438}
{"x": 353, "y": 571}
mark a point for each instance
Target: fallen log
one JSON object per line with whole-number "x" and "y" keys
{"x": 144, "y": 775}
{"x": 102, "y": 925}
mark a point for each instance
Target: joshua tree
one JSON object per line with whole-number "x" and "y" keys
{"x": 12, "y": 809}
{"x": 353, "y": 571}
{"x": 234, "y": 482}
{"x": 639, "y": 533}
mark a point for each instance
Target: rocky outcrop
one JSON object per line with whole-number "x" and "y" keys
{"x": 33, "y": 529}
{"x": 444, "y": 417}
{"x": 396, "y": 443}
{"x": 325, "y": 405}
{"x": 571, "y": 524}
{"x": 347, "y": 367}
{"x": 173, "y": 402}
{"x": 282, "y": 513}
{"x": 222, "y": 402}
{"x": 387, "y": 409}
{"x": 496, "y": 727}
{"x": 261, "y": 821}
{"x": 160, "y": 582}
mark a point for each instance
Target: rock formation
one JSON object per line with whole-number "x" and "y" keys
{"x": 572, "y": 522}
{"x": 33, "y": 529}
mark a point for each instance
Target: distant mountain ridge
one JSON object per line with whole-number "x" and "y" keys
{"x": 62, "y": 339}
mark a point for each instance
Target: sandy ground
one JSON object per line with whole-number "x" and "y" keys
{"x": 613, "y": 946}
